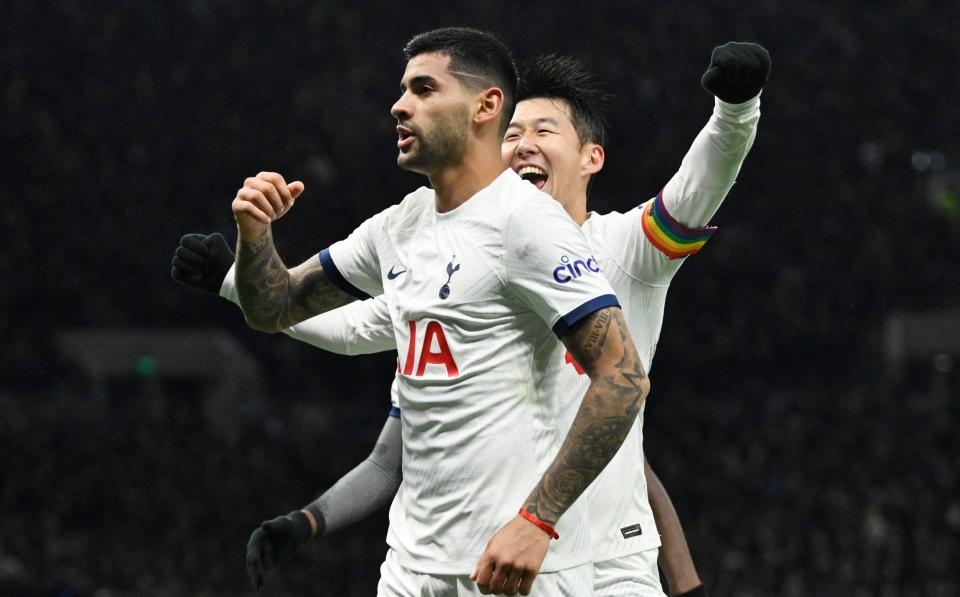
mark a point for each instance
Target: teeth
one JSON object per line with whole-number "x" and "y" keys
{"x": 528, "y": 170}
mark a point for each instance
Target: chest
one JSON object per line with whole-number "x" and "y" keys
{"x": 442, "y": 272}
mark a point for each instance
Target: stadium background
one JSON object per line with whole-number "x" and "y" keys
{"x": 806, "y": 397}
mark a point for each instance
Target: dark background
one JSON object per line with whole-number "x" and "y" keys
{"x": 803, "y": 460}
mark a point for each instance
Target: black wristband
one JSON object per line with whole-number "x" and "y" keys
{"x": 314, "y": 508}
{"x": 700, "y": 591}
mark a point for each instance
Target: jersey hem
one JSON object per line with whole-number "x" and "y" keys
{"x": 466, "y": 567}
{"x": 628, "y": 550}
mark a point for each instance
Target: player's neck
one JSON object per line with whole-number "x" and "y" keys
{"x": 579, "y": 213}
{"x": 576, "y": 208}
{"x": 454, "y": 185}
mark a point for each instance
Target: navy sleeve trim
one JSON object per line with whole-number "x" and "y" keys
{"x": 330, "y": 269}
{"x": 394, "y": 412}
{"x": 592, "y": 306}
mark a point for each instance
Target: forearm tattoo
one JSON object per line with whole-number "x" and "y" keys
{"x": 274, "y": 298}
{"x": 606, "y": 414}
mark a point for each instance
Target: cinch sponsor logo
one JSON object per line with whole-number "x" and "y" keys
{"x": 571, "y": 271}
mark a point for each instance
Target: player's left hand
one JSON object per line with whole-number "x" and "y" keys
{"x": 202, "y": 261}
{"x": 737, "y": 71}
{"x": 274, "y": 542}
{"x": 512, "y": 559}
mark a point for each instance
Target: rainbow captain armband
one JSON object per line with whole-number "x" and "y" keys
{"x": 670, "y": 236}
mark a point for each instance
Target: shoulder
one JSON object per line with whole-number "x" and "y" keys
{"x": 414, "y": 207}
{"x": 418, "y": 200}
{"x": 509, "y": 193}
{"x": 597, "y": 223}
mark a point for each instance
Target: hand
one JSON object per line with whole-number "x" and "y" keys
{"x": 512, "y": 559}
{"x": 274, "y": 542}
{"x": 737, "y": 71}
{"x": 697, "y": 591}
{"x": 202, "y": 261}
{"x": 261, "y": 200}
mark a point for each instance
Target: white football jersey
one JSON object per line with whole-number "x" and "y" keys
{"x": 639, "y": 252}
{"x": 477, "y": 299}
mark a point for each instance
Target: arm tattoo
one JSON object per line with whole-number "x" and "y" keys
{"x": 272, "y": 297}
{"x": 618, "y": 387}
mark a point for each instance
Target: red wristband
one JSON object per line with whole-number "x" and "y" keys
{"x": 543, "y": 526}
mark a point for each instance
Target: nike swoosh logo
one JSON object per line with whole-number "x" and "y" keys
{"x": 392, "y": 275}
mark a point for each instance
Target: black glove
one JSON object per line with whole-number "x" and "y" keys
{"x": 737, "y": 71}
{"x": 202, "y": 261}
{"x": 699, "y": 591}
{"x": 274, "y": 542}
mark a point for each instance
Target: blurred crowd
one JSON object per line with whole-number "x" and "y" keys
{"x": 799, "y": 465}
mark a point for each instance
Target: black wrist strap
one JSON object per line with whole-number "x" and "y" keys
{"x": 700, "y": 591}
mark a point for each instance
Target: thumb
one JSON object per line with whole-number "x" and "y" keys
{"x": 214, "y": 239}
{"x": 273, "y": 527}
{"x": 296, "y": 187}
{"x": 711, "y": 73}
{"x": 480, "y": 565}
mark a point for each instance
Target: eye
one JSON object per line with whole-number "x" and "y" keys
{"x": 511, "y": 137}
{"x": 543, "y": 132}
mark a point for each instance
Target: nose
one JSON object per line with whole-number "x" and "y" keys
{"x": 526, "y": 146}
{"x": 401, "y": 109}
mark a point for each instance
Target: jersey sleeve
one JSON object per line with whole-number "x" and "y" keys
{"x": 228, "y": 288}
{"x": 361, "y": 327}
{"x": 394, "y": 399}
{"x": 353, "y": 263}
{"x": 678, "y": 215}
{"x": 673, "y": 224}
{"x": 549, "y": 265}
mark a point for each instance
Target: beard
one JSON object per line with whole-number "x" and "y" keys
{"x": 440, "y": 146}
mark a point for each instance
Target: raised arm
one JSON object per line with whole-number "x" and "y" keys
{"x": 362, "y": 327}
{"x": 601, "y": 343}
{"x": 206, "y": 262}
{"x": 735, "y": 76}
{"x": 272, "y": 297}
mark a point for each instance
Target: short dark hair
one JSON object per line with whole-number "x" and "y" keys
{"x": 563, "y": 77}
{"x": 474, "y": 52}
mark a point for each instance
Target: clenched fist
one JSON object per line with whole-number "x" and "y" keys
{"x": 263, "y": 199}
{"x": 737, "y": 71}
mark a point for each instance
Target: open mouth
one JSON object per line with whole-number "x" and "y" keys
{"x": 538, "y": 176}
{"x": 405, "y": 137}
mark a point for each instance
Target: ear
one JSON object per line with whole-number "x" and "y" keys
{"x": 591, "y": 159}
{"x": 490, "y": 105}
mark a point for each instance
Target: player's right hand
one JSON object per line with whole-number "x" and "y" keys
{"x": 512, "y": 559}
{"x": 263, "y": 199}
{"x": 202, "y": 261}
{"x": 274, "y": 542}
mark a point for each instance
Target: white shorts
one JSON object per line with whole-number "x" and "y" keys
{"x": 635, "y": 575}
{"x": 397, "y": 581}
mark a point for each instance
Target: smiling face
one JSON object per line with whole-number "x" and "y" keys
{"x": 543, "y": 147}
{"x": 433, "y": 115}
